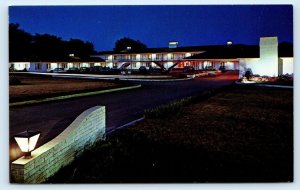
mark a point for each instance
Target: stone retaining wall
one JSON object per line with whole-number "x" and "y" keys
{"x": 46, "y": 160}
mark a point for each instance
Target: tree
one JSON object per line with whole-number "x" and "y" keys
{"x": 80, "y": 48}
{"x": 44, "y": 47}
{"x": 123, "y": 43}
{"x": 286, "y": 49}
{"x": 19, "y": 43}
{"x": 48, "y": 47}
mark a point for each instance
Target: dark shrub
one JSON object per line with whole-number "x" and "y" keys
{"x": 248, "y": 75}
{"x": 222, "y": 68}
{"x": 285, "y": 78}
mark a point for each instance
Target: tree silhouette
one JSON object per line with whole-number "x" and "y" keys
{"x": 80, "y": 48}
{"x": 48, "y": 47}
{"x": 19, "y": 43}
{"x": 286, "y": 49}
{"x": 123, "y": 43}
{"x": 44, "y": 47}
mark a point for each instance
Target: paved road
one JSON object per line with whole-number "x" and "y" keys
{"x": 121, "y": 107}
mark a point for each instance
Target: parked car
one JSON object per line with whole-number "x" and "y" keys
{"x": 73, "y": 70}
{"x": 84, "y": 70}
{"x": 210, "y": 68}
{"x": 58, "y": 70}
{"x": 188, "y": 69}
{"x": 96, "y": 69}
{"x": 105, "y": 70}
{"x": 115, "y": 71}
{"x": 143, "y": 70}
{"x": 155, "y": 70}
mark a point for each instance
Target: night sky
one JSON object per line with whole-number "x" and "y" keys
{"x": 157, "y": 25}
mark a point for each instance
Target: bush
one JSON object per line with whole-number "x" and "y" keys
{"x": 248, "y": 75}
{"x": 284, "y": 78}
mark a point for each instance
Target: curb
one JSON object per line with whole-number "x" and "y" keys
{"x": 123, "y": 126}
{"x": 104, "y": 77}
{"x": 72, "y": 96}
{"x": 158, "y": 80}
{"x": 123, "y": 79}
{"x": 265, "y": 85}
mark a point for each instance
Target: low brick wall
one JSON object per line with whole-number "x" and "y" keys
{"x": 46, "y": 160}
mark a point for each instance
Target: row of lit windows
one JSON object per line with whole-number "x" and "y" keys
{"x": 38, "y": 66}
{"x": 148, "y": 57}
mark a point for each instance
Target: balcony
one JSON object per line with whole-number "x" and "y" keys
{"x": 165, "y": 58}
{"x": 123, "y": 60}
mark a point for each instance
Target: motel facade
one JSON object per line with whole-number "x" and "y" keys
{"x": 42, "y": 66}
{"x": 265, "y": 59}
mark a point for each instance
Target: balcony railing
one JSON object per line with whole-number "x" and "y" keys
{"x": 146, "y": 59}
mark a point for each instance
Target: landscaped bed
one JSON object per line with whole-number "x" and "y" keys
{"x": 281, "y": 80}
{"x": 27, "y": 87}
{"x": 241, "y": 134}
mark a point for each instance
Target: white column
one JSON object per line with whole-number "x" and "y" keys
{"x": 268, "y": 56}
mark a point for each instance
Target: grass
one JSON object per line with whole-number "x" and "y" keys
{"x": 242, "y": 134}
{"x": 34, "y": 87}
{"x": 167, "y": 110}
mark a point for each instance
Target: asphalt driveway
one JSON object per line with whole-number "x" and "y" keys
{"x": 121, "y": 107}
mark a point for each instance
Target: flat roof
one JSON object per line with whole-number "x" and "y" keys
{"x": 184, "y": 49}
{"x": 233, "y": 51}
{"x": 228, "y": 52}
{"x": 60, "y": 59}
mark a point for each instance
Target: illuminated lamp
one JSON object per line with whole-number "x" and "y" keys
{"x": 26, "y": 141}
{"x": 229, "y": 43}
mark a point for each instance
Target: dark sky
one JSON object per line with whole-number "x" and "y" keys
{"x": 157, "y": 25}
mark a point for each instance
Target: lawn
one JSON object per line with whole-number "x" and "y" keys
{"x": 239, "y": 134}
{"x": 38, "y": 87}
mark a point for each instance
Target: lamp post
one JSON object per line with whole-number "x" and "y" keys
{"x": 27, "y": 141}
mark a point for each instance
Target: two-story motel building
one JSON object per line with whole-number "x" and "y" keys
{"x": 165, "y": 58}
{"x": 267, "y": 58}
